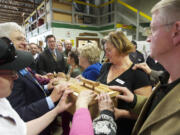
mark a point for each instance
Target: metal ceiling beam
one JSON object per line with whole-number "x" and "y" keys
{"x": 7, "y": 20}
{"x": 11, "y": 13}
{"x": 16, "y": 10}
{"x": 26, "y": 2}
{"x": 12, "y": 5}
{"x": 13, "y": 16}
{"x": 8, "y": 17}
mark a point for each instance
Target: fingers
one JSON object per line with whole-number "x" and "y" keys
{"x": 65, "y": 95}
{"x": 140, "y": 66}
{"x": 103, "y": 96}
{"x": 119, "y": 88}
{"x": 105, "y": 102}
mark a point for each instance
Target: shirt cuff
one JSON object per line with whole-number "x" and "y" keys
{"x": 50, "y": 103}
{"x": 46, "y": 89}
{"x": 133, "y": 103}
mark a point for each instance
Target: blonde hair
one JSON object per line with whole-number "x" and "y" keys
{"x": 59, "y": 43}
{"x": 168, "y": 9}
{"x": 91, "y": 52}
{"x": 120, "y": 42}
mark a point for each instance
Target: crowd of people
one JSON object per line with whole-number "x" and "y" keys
{"x": 148, "y": 103}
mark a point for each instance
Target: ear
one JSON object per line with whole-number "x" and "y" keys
{"x": 176, "y": 33}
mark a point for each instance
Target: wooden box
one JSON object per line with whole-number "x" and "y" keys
{"x": 78, "y": 85}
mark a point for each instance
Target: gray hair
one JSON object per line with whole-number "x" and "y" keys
{"x": 169, "y": 10}
{"x": 8, "y": 27}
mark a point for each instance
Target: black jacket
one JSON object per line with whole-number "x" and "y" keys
{"x": 47, "y": 64}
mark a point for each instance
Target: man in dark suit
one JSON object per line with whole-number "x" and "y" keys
{"x": 51, "y": 60}
{"x": 34, "y": 51}
{"x": 28, "y": 97}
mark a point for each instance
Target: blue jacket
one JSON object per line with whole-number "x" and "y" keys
{"x": 92, "y": 72}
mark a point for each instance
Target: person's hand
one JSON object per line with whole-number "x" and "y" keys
{"x": 58, "y": 91}
{"x": 63, "y": 103}
{"x": 142, "y": 66}
{"x": 78, "y": 77}
{"x": 122, "y": 113}
{"x": 84, "y": 98}
{"x": 52, "y": 83}
{"x": 105, "y": 102}
{"x": 125, "y": 94}
{"x": 50, "y": 75}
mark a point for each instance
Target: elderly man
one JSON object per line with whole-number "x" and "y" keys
{"x": 12, "y": 61}
{"x": 68, "y": 47}
{"x": 51, "y": 60}
{"x": 34, "y": 50}
{"x": 160, "y": 113}
{"x": 29, "y": 98}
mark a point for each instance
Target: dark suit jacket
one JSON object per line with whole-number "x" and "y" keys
{"x": 46, "y": 62}
{"x": 28, "y": 98}
{"x": 33, "y": 66}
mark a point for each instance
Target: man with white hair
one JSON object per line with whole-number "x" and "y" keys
{"x": 29, "y": 98}
{"x": 14, "y": 32}
{"x": 160, "y": 113}
{"x": 11, "y": 61}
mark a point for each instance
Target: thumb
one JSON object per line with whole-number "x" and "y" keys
{"x": 134, "y": 67}
{"x": 68, "y": 105}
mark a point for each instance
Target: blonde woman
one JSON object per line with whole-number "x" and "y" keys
{"x": 119, "y": 72}
{"x": 89, "y": 57}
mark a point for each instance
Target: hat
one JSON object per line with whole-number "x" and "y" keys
{"x": 12, "y": 59}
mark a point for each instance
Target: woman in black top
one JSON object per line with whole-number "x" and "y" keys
{"x": 119, "y": 72}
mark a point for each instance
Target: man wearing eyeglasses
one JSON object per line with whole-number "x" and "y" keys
{"x": 160, "y": 113}
{"x": 29, "y": 98}
{"x": 11, "y": 61}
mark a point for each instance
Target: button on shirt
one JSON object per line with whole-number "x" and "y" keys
{"x": 10, "y": 122}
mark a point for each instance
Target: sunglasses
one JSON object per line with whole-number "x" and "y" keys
{"x": 10, "y": 54}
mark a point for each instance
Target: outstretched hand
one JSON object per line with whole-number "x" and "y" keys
{"x": 58, "y": 91}
{"x": 84, "y": 98}
{"x": 63, "y": 103}
{"x": 142, "y": 66}
{"x": 125, "y": 94}
{"x": 105, "y": 102}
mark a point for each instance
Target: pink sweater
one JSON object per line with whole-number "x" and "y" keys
{"x": 82, "y": 123}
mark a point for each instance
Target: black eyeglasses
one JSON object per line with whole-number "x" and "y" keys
{"x": 10, "y": 54}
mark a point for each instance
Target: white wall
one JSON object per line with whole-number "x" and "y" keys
{"x": 71, "y": 34}
{"x": 40, "y": 37}
{"x": 143, "y": 47}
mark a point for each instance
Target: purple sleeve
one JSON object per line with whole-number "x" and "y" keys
{"x": 82, "y": 123}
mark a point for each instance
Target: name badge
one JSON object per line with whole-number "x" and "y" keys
{"x": 120, "y": 81}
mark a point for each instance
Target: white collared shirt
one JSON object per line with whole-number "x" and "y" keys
{"x": 35, "y": 56}
{"x": 10, "y": 122}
